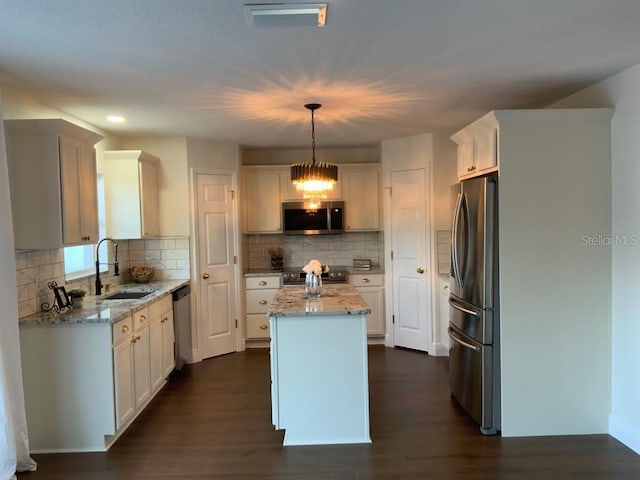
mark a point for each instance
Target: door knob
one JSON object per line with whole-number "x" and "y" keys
{"x": 205, "y": 275}
{"x": 420, "y": 270}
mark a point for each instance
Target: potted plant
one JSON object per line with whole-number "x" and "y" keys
{"x": 77, "y": 294}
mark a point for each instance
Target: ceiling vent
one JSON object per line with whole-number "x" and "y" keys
{"x": 287, "y": 14}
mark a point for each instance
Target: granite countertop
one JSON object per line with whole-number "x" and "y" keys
{"x": 98, "y": 310}
{"x": 336, "y": 299}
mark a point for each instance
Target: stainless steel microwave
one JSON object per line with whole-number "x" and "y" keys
{"x": 327, "y": 219}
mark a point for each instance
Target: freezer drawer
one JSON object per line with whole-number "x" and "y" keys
{"x": 472, "y": 321}
{"x": 471, "y": 379}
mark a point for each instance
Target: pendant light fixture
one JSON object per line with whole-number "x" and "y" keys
{"x": 314, "y": 179}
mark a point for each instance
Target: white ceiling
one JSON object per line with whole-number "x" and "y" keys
{"x": 381, "y": 68}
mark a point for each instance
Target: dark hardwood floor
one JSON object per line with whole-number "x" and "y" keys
{"x": 213, "y": 421}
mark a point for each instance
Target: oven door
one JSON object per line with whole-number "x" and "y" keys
{"x": 471, "y": 378}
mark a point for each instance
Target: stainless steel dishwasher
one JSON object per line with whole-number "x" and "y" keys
{"x": 182, "y": 324}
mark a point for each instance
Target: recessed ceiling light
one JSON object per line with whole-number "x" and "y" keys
{"x": 116, "y": 119}
{"x": 286, "y": 15}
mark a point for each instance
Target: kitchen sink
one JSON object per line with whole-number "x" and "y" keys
{"x": 127, "y": 295}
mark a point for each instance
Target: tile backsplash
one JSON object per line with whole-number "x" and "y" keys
{"x": 36, "y": 268}
{"x": 299, "y": 249}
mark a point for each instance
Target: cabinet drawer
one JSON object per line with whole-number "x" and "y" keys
{"x": 121, "y": 329}
{"x": 141, "y": 319}
{"x": 366, "y": 280}
{"x": 262, "y": 282}
{"x": 157, "y": 308}
{"x": 259, "y": 300}
{"x": 258, "y": 326}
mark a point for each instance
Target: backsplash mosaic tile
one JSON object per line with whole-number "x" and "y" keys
{"x": 299, "y": 249}
{"x": 36, "y": 268}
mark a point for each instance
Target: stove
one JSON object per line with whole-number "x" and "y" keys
{"x": 297, "y": 276}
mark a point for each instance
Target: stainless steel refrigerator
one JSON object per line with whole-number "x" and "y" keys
{"x": 474, "y": 319}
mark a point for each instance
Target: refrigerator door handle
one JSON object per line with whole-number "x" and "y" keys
{"x": 454, "y": 241}
{"x": 453, "y": 337}
{"x": 457, "y": 306}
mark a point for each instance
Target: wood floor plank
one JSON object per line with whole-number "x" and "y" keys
{"x": 213, "y": 421}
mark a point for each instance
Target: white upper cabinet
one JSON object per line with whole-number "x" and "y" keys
{"x": 361, "y": 194}
{"x": 53, "y": 183}
{"x": 131, "y": 194}
{"x": 477, "y": 147}
{"x": 262, "y": 200}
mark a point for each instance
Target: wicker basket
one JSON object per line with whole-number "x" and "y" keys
{"x": 141, "y": 273}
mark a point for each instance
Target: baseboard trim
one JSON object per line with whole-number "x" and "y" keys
{"x": 438, "y": 350}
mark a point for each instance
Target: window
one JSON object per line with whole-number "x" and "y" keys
{"x": 79, "y": 261}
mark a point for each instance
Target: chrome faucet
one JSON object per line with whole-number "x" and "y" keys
{"x": 116, "y": 271}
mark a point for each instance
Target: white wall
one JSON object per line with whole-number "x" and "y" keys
{"x": 555, "y": 302}
{"x": 622, "y": 91}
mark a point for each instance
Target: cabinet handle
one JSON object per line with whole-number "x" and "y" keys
{"x": 263, "y": 326}
{"x": 262, "y": 302}
{"x": 137, "y": 337}
{"x": 125, "y": 328}
{"x": 471, "y": 168}
{"x": 365, "y": 280}
{"x": 420, "y": 270}
{"x": 205, "y": 276}
{"x": 262, "y": 282}
{"x": 142, "y": 318}
{"x": 134, "y": 339}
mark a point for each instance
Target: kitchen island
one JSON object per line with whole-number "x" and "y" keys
{"x": 319, "y": 372}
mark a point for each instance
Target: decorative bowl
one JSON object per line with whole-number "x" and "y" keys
{"x": 141, "y": 273}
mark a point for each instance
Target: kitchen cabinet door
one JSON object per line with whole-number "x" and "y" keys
{"x": 371, "y": 288}
{"x": 477, "y": 147}
{"x": 156, "y": 368}
{"x": 53, "y": 183}
{"x": 259, "y": 292}
{"x": 262, "y": 203}
{"x": 131, "y": 194}
{"x": 361, "y": 188}
{"x": 168, "y": 344}
{"x": 79, "y": 192}
{"x": 142, "y": 370}
{"x": 150, "y": 217}
{"x": 123, "y": 379}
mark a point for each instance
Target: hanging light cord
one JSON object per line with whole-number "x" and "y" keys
{"x": 313, "y": 137}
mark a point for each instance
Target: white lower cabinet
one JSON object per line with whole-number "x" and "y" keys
{"x": 371, "y": 288}
{"x": 259, "y": 293}
{"x": 84, "y": 383}
{"x": 143, "y": 357}
{"x": 123, "y": 372}
{"x": 141, "y": 367}
{"x": 161, "y": 342}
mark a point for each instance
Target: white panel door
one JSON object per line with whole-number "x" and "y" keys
{"x": 216, "y": 254}
{"x": 410, "y": 246}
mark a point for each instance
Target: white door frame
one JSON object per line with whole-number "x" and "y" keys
{"x": 196, "y": 324}
{"x": 431, "y": 259}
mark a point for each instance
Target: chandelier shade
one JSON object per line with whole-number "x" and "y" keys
{"x": 314, "y": 179}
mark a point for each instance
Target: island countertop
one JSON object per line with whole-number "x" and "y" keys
{"x": 334, "y": 300}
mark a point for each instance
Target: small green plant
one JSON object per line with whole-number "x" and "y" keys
{"x": 77, "y": 293}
